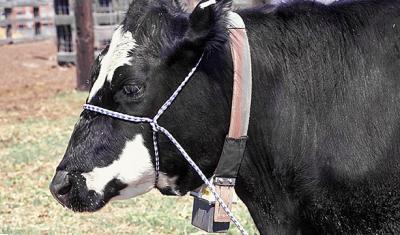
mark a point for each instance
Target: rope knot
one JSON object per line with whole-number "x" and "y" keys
{"x": 154, "y": 125}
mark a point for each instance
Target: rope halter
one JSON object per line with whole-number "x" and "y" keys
{"x": 156, "y": 128}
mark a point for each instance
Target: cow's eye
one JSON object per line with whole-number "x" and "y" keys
{"x": 133, "y": 91}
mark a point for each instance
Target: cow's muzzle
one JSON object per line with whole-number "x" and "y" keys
{"x": 61, "y": 186}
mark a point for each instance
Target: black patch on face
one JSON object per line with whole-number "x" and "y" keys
{"x": 126, "y": 80}
{"x": 80, "y": 199}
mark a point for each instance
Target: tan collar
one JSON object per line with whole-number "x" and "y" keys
{"x": 242, "y": 85}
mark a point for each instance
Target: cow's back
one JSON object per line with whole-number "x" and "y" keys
{"x": 326, "y": 110}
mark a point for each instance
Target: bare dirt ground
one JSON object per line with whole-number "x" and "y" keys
{"x": 29, "y": 76}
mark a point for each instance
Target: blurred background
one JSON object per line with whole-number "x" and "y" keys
{"x": 39, "y": 104}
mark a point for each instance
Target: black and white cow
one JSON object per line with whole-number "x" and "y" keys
{"x": 323, "y": 154}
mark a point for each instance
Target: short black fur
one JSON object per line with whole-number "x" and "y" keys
{"x": 323, "y": 152}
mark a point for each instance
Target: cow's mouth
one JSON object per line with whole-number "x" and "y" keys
{"x": 70, "y": 191}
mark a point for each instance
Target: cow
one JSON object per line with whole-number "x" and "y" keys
{"x": 323, "y": 153}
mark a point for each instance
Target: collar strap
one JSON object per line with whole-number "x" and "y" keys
{"x": 235, "y": 143}
{"x": 242, "y": 76}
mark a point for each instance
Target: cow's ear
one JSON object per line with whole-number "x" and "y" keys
{"x": 207, "y": 30}
{"x": 207, "y": 23}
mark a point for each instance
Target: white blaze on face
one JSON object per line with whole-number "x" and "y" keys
{"x": 133, "y": 167}
{"x": 116, "y": 56}
{"x": 165, "y": 181}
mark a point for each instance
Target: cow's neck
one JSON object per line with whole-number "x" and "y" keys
{"x": 257, "y": 188}
{"x": 254, "y": 180}
{"x": 271, "y": 208}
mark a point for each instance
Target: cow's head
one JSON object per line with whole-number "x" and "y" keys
{"x": 149, "y": 55}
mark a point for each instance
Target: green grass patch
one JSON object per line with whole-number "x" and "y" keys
{"x": 37, "y": 139}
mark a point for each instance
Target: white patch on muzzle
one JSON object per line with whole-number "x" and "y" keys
{"x": 116, "y": 56}
{"x": 133, "y": 167}
{"x": 165, "y": 181}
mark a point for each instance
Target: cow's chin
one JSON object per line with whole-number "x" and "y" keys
{"x": 81, "y": 199}
{"x": 84, "y": 201}
{"x": 88, "y": 202}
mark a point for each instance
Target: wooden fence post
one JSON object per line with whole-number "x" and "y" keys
{"x": 84, "y": 42}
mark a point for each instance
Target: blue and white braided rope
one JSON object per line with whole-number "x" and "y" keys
{"x": 157, "y": 128}
{"x": 177, "y": 91}
{"x": 205, "y": 180}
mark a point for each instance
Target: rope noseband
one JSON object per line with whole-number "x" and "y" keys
{"x": 152, "y": 121}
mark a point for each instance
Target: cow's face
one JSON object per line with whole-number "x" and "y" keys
{"x": 112, "y": 159}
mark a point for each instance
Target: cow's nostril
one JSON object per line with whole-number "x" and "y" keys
{"x": 61, "y": 185}
{"x": 65, "y": 189}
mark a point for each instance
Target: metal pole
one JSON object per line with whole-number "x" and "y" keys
{"x": 84, "y": 42}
